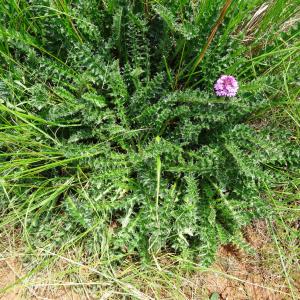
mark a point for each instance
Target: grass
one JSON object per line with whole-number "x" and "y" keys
{"x": 167, "y": 278}
{"x": 40, "y": 174}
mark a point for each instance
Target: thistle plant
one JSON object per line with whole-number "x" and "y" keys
{"x": 112, "y": 137}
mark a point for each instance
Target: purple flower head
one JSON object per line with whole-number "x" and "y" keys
{"x": 226, "y": 85}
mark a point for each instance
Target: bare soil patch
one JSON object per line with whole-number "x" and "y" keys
{"x": 9, "y": 270}
{"x": 246, "y": 276}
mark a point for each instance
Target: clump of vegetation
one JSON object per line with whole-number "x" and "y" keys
{"x": 112, "y": 135}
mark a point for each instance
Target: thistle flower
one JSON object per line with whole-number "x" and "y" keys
{"x": 226, "y": 85}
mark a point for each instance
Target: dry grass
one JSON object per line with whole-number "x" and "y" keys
{"x": 235, "y": 275}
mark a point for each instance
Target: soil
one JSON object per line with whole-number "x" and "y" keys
{"x": 238, "y": 276}
{"x": 10, "y": 273}
{"x": 8, "y": 276}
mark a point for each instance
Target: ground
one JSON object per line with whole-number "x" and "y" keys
{"x": 234, "y": 276}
